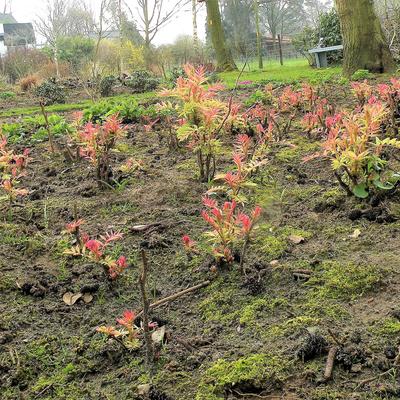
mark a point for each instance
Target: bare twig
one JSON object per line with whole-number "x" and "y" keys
{"x": 146, "y": 309}
{"x": 47, "y": 126}
{"x": 175, "y": 296}
{"x": 374, "y": 378}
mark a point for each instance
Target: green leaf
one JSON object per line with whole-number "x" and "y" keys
{"x": 360, "y": 191}
{"x": 383, "y": 185}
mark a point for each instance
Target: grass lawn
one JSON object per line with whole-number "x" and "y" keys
{"x": 292, "y": 71}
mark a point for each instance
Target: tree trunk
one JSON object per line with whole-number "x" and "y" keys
{"x": 195, "y": 32}
{"x": 258, "y": 33}
{"x": 365, "y": 46}
{"x": 224, "y": 57}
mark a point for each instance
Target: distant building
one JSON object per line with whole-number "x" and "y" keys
{"x": 14, "y": 35}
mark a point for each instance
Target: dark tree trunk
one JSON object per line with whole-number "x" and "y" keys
{"x": 365, "y": 45}
{"x": 225, "y": 60}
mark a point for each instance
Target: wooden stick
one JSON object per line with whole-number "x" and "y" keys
{"x": 369, "y": 380}
{"x": 146, "y": 309}
{"x": 330, "y": 362}
{"x": 175, "y": 296}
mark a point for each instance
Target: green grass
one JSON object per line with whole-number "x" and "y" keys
{"x": 292, "y": 71}
{"x": 60, "y": 108}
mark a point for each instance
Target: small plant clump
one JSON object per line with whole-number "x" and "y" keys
{"x": 357, "y": 152}
{"x": 95, "y": 249}
{"x": 50, "y": 92}
{"x": 96, "y": 144}
{"x": 230, "y": 227}
{"x": 128, "y": 334}
{"x": 203, "y": 118}
{"x": 12, "y": 169}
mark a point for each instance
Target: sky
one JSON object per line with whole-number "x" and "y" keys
{"x": 27, "y": 10}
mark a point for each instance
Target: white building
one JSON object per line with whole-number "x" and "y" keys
{"x": 14, "y": 34}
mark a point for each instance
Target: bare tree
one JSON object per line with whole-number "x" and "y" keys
{"x": 53, "y": 25}
{"x": 152, "y": 15}
{"x": 7, "y": 7}
{"x": 80, "y": 19}
{"x": 282, "y": 16}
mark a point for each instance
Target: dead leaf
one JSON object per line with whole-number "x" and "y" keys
{"x": 158, "y": 335}
{"x": 71, "y": 298}
{"x": 87, "y": 298}
{"x": 274, "y": 263}
{"x": 296, "y": 239}
{"x": 144, "y": 390}
{"x": 356, "y": 234}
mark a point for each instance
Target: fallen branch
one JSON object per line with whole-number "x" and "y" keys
{"x": 369, "y": 380}
{"x": 146, "y": 309}
{"x": 330, "y": 362}
{"x": 175, "y": 296}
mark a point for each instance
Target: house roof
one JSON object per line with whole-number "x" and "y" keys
{"x": 7, "y": 19}
{"x": 18, "y": 34}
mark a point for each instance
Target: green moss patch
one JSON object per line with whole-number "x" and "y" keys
{"x": 254, "y": 372}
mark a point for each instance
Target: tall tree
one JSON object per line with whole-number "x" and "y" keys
{"x": 53, "y": 25}
{"x": 224, "y": 57}
{"x": 196, "y": 40}
{"x": 258, "y": 33}
{"x": 282, "y": 16}
{"x": 365, "y": 45}
{"x": 152, "y": 15}
{"x": 238, "y": 24}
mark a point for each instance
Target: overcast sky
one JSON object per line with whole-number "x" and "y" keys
{"x": 27, "y": 10}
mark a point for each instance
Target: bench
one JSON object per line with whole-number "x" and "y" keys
{"x": 321, "y": 54}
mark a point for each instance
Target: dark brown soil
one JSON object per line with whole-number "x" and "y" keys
{"x": 49, "y": 350}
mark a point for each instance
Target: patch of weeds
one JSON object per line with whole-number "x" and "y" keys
{"x": 251, "y": 313}
{"x": 254, "y": 372}
{"x": 187, "y": 166}
{"x": 344, "y": 281}
{"x": 300, "y": 193}
{"x": 274, "y": 243}
{"x": 221, "y": 305}
{"x": 12, "y": 236}
{"x": 301, "y": 149}
{"x": 326, "y": 309}
{"x": 291, "y": 326}
{"x": 336, "y": 231}
{"x": 386, "y": 327}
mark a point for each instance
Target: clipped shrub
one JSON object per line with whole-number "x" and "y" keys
{"x": 50, "y": 92}
{"x": 127, "y": 110}
{"x": 106, "y": 86}
{"x": 28, "y": 82}
{"x": 142, "y": 81}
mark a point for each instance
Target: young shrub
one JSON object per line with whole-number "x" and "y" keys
{"x": 203, "y": 118}
{"x": 357, "y": 152}
{"x": 28, "y": 83}
{"x": 106, "y": 86}
{"x": 142, "y": 81}
{"x": 128, "y": 334}
{"x": 390, "y": 94}
{"x": 7, "y": 95}
{"x": 95, "y": 249}
{"x": 247, "y": 160}
{"x": 50, "y": 92}
{"x": 362, "y": 91}
{"x": 12, "y": 169}
{"x": 97, "y": 143}
{"x": 230, "y": 227}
